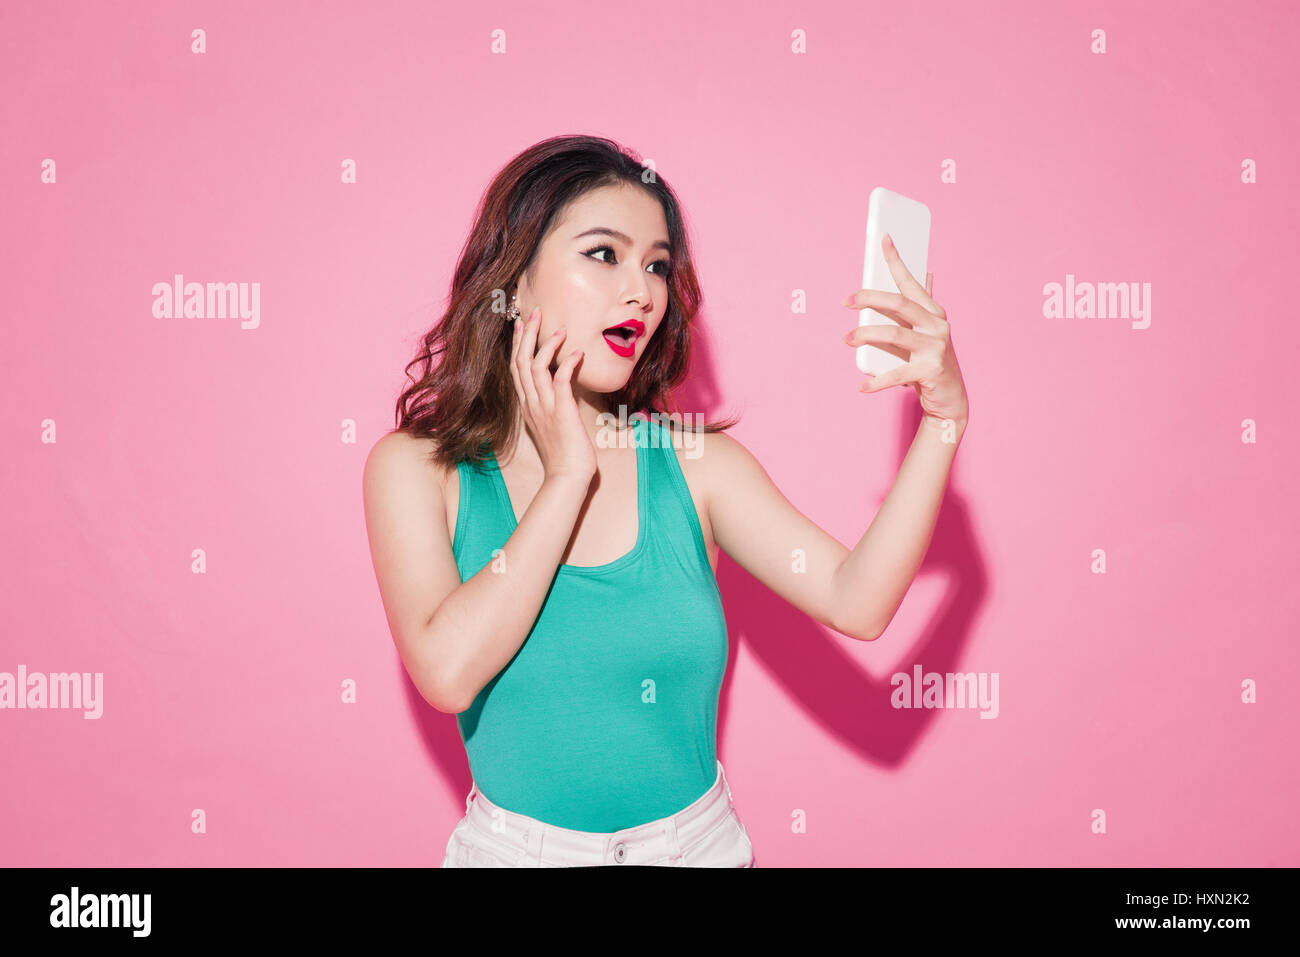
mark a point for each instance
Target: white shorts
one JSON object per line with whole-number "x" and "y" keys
{"x": 707, "y": 833}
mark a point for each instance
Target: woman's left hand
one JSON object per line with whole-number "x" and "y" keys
{"x": 921, "y": 339}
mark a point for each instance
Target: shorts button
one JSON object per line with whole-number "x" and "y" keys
{"x": 620, "y": 853}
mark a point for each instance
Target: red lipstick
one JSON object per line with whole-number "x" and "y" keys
{"x": 622, "y": 338}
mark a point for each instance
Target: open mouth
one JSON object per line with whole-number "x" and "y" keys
{"x": 626, "y": 333}
{"x": 622, "y": 338}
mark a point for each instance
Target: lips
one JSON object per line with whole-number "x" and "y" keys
{"x": 634, "y": 327}
{"x": 622, "y": 337}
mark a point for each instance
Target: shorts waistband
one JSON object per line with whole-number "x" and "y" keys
{"x": 654, "y": 841}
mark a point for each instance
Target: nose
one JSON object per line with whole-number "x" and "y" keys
{"x": 638, "y": 289}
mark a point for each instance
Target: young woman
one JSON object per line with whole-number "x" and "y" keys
{"x": 545, "y": 531}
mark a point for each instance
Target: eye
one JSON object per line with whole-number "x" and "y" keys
{"x": 666, "y": 264}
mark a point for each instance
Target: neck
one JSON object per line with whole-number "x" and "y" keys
{"x": 591, "y": 406}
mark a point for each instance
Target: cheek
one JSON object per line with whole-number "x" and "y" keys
{"x": 579, "y": 284}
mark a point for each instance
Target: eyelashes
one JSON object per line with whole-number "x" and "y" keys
{"x": 668, "y": 266}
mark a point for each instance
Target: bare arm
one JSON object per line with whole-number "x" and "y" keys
{"x": 872, "y": 581}
{"x": 483, "y": 623}
{"x": 455, "y": 637}
{"x": 857, "y": 593}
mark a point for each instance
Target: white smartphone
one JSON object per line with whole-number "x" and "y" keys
{"x": 908, "y": 224}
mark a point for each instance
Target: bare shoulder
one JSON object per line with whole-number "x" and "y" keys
{"x": 400, "y": 453}
{"x": 728, "y": 471}
{"x": 707, "y": 459}
{"x": 718, "y": 454}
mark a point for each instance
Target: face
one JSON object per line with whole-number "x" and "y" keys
{"x": 605, "y": 263}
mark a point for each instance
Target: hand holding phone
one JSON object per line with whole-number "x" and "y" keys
{"x": 907, "y": 222}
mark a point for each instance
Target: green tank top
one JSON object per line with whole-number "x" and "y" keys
{"x": 606, "y": 718}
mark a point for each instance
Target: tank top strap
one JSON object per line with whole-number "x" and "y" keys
{"x": 677, "y": 526}
{"x": 482, "y": 522}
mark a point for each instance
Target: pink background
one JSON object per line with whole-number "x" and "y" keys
{"x": 222, "y": 691}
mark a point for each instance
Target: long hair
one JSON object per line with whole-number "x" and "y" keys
{"x": 467, "y": 402}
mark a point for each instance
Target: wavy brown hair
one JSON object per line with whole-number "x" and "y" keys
{"x": 467, "y": 401}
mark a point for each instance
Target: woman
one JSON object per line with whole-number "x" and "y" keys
{"x": 561, "y": 599}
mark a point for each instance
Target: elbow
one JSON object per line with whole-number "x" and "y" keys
{"x": 455, "y": 695}
{"x": 856, "y": 630}
{"x": 439, "y": 679}
{"x": 876, "y": 630}
{"x": 446, "y": 700}
{"x": 875, "y": 626}
{"x": 447, "y": 695}
{"x": 447, "y": 704}
{"x": 849, "y": 616}
{"x": 437, "y": 684}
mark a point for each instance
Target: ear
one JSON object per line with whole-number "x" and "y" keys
{"x": 521, "y": 294}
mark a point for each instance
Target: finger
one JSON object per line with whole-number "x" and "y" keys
{"x": 552, "y": 349}
{"x": 542, "y": 368}
{"x": 904, "y": 279}
{"x": 527, "y": 344}
{"x": 900, "y": 376}
{"x": 896, "y": 340}
{"x": 563, "y": 375}
{"x": 929, "y": 284}
{"x": 896, "y": 306}
{"x": 515, "y": 337}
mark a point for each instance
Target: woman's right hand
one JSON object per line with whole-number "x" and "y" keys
{"x": 549, "y": 409}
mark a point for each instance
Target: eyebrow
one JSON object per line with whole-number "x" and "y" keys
{"x": 622, "y": 237}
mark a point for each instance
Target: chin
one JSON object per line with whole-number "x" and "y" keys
{"x": 603, "y": 385}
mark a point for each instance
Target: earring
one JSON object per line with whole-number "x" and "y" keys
{"x": 513, "y": 313}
